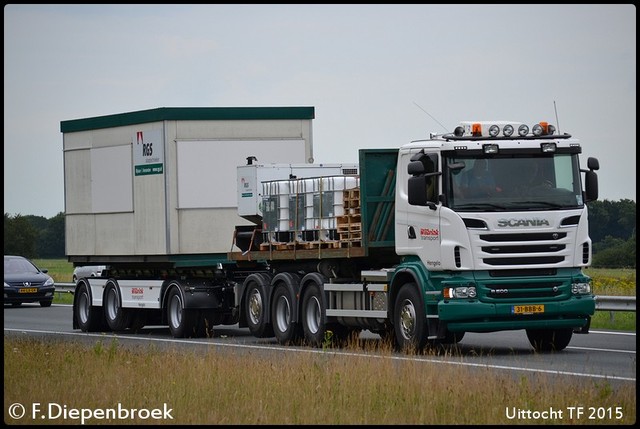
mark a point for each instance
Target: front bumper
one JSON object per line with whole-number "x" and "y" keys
{"x": 476, "y": 316}
{"x": 13, "y": 295}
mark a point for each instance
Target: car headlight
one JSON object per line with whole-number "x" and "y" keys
{"x": 49, "y": 282}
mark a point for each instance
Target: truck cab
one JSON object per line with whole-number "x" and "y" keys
{"x": 493, "y": 218}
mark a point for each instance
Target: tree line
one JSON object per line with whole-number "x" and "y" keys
{"x": 612, "y": 228}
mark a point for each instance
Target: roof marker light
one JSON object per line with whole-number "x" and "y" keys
{"x": 494, "y": 130}
{"x": 548, "y": 147}
{"x": 490, "y": 148}
{"x": 476, "y": 130}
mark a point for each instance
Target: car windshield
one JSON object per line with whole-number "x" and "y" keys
{"x": 509, "y": 182}
{"x": 18, "y": 265}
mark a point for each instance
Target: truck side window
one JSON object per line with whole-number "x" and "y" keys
{"x": 423, "y": 183}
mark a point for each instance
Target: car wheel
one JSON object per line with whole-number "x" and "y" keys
{"x": 45, "y": 303}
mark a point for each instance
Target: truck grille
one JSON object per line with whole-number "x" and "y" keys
{"x": 523, "y": 249}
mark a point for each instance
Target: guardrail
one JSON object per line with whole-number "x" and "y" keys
{"x": 65, "y": 287}
{"x": 603, "y": 303}
{"x": 615, "y": 303}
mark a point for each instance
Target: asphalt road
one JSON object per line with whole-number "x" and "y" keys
{"x": 599, "y": 355}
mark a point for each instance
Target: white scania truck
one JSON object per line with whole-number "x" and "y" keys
{"x": 480, "y": 230}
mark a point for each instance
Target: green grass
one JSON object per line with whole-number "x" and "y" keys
{"x": 60, "y": 269}
{"x": 214, "y": 387}
{"x": 615, "y": 282}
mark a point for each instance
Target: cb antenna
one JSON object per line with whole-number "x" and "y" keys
{"x": 556, "y": 110}
{"x": 445, "y": 128}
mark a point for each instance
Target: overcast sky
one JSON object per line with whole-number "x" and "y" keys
{"x": 378, "y": 76}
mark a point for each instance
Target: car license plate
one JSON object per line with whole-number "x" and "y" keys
{"x": 527, "y": 309}
{"x": 28, "y": 290}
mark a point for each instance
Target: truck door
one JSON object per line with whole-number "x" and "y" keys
{"x": 423, "y": 209}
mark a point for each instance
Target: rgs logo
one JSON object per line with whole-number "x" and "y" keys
{"x": 429, "y": 233}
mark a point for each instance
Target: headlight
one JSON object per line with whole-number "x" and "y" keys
{"x": 507, "y": 130}
{"x": 460, "y": 292}
{"x": 580, "y": 288}
{"x": 49, "y": 282}
{"x": 523, "y": 130}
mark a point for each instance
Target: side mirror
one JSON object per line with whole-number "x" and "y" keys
{"x": 415, "y": 168}
{"x": 417, "y": 190}
{"x": 591, "y": 186}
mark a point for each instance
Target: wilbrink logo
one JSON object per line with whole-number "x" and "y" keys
{"x": 429, "y": 233}
{"x": 139, "y": 138}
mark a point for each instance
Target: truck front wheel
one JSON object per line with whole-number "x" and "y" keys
{"x": 548, "y": 340}
{"x": 410, "y": 322}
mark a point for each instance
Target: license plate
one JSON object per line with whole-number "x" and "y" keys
{"x": 28, "y": 290}
{"x": 527, "y": 309}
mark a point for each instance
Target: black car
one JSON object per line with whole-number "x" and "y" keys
{"x": 25, "y": 282}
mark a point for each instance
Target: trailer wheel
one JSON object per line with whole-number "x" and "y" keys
{"x": 313, "y": 317}
{"x": 182, "y": 322}
{"x": 547, "y": 340}
{"x": 257, "y": 311}
{"x": 118, "y": 318}
{"x": 409, "y": 320}
{"x": 285, "y": 328}
{"x": 88, "y": 317}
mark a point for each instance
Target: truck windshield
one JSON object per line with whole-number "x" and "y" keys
{"x": 513, "y": 182}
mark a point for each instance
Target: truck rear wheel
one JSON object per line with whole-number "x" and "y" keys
{"x": 258, "y": 307}
{"x": 118, "y": 318}
{"x": 88, "y": 317}
{"x": 285, "y": 328}
{"x": 182, "y": 322}
{"x": 313, "y": 318}
{"x": 410, "y": 321}
{"x": 548, "y": 340}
